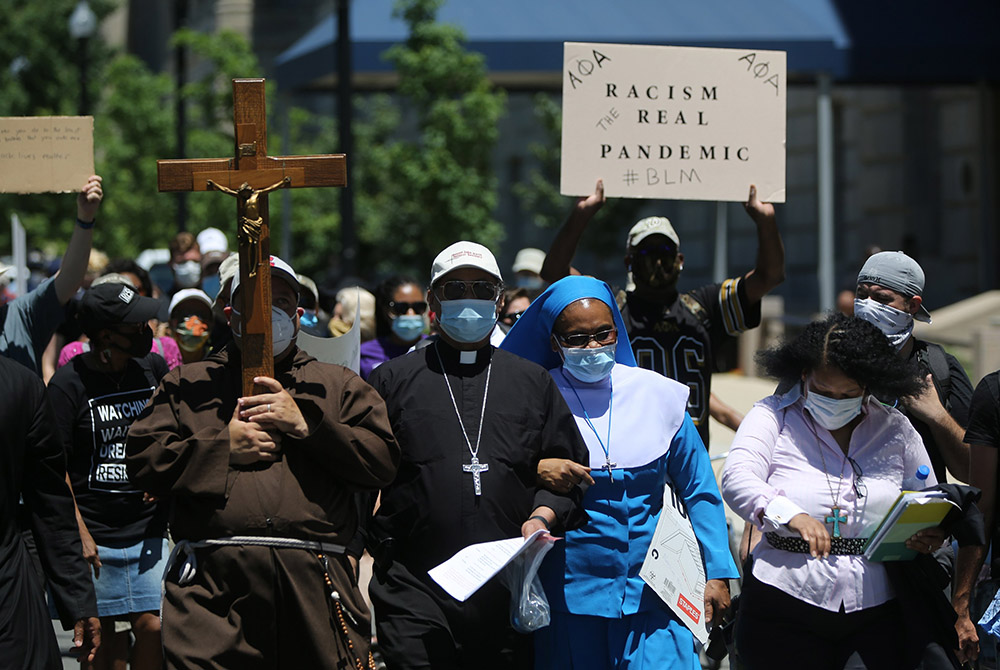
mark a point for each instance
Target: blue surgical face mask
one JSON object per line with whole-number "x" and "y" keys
{"x": 832, "y": 413}
{"x": 895, "y": 324}
{"x": 467, "y": 320}
{"x": 408, "y": 327}
{"x": 308, "y": 319}
{"x": 282, "y": 330}
{"x": 587, "y": 364}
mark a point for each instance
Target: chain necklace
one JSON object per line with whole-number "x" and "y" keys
{"x": 586, "y": 417}
{"x": 836, "y": 517}
{"x": 474, "y": 467}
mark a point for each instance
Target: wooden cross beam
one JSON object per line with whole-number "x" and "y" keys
{"x": 249, "y": 176}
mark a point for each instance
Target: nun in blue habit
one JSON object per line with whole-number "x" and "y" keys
{"x": 640, "y": 437}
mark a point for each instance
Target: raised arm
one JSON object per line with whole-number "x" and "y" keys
{"x": 74, "y": 261}
{"x": 558, "y": 262}
{"x": 769, "y": 270}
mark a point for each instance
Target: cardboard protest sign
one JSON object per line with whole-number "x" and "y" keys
{"x": 680, "y": 123}
{"x": 45, "y": 154}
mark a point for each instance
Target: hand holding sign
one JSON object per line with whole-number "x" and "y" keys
{"x": 673, "y": 122}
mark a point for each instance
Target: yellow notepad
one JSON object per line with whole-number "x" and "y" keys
{"x": 913, "y": 511}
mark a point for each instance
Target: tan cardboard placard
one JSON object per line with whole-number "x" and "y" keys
{"x": 684, "y": 123}
{"x": 45, "y": 154}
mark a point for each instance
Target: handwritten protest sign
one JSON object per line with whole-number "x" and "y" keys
{"x": 45, "y": 154}
{"x": 673, "y": 122}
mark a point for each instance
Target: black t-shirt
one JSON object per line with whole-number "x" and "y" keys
{"x": 680, "y": 340}
{"x": 955, "y": 394}
{"x": 984, "y": 429}
{"x": 93, "y": 413}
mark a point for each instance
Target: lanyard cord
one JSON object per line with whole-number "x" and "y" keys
{"x": 586, "y": 417}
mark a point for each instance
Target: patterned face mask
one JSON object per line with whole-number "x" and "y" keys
{"x": 192, "y": 334}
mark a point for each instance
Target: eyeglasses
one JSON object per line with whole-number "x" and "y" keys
{"x": 664, "y": 250}
{"x": 511, "y": 317}
{"x": 860, "y": 488}
{"x": 577, "y": 340}
{"x": 456, "y": 290}
{"x": 401, "y": 308}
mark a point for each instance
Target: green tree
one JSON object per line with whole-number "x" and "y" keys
{"x": 419, "y": 194}
{"x": 539, "y": 191}
{"x": 40, "y": 77}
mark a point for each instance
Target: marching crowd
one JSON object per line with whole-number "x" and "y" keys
{"x": 174, "y": 521}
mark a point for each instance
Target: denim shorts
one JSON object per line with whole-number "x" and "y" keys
{"x": 130, "y": 577}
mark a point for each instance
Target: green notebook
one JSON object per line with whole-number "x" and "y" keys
{"x": 912, "y": 512}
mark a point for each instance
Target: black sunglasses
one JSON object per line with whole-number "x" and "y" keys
{"x": 511, "y": 317}
{"x": 860, "y": 488}
{"x": 401, "y": 308}
{"x": 577, "y": 340}
{"x": 456, "y": 290}
{"x": 664, "y": 250}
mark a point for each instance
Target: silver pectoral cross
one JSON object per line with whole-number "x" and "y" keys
{"x": 607, "y": 466}
{"x": 475, "y": 467}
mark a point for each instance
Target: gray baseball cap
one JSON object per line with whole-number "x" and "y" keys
{"x": 896, "y": 270}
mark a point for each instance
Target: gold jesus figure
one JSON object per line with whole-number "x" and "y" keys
{"x": 251, "y": 221}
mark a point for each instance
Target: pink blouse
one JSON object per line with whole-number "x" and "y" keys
{"x": 775, "y": 470}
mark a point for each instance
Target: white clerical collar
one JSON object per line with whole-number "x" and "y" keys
{"x": 467, "y": 357}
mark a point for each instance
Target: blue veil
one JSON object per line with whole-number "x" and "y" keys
{"x": 529, "y": 338}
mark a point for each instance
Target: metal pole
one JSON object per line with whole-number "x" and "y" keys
{"x": 720, "y": 270}
{"x": 824, "y": 154}
{"x": 348, "y": 236}
{"x": 180, "y": 109}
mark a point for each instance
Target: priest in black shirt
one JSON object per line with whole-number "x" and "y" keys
{"x": 471, "y": 440}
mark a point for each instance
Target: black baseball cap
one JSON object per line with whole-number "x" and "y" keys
{"x": 112, "y": 303}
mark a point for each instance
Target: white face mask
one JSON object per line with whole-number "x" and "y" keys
{"x": 282, "y": 330}
{"x": 187, "y": 274}
{"x": 832, "y": 413}
{"x": 895, "y": 324}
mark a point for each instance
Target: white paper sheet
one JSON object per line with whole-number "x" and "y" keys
{"x": 674, "y": 567}
{"x": 467, "y": 571}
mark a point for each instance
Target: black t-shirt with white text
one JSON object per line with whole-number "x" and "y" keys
{"x": 93, "y": 413}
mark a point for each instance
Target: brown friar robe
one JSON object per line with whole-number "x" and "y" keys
{"x": 255, "y": 606}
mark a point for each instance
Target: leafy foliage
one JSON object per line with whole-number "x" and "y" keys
{"x": 422, "y": 193}
{"x": 539, "y": 191}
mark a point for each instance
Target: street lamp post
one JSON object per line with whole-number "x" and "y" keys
{"x": 82, "y": 26}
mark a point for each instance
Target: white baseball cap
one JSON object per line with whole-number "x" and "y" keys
{"x": 529, "y": 259}
{"x": 652, "y": 225}
{"x": 464, "y": 255}
{"x": 279, "y": 268}
{"x": 189, "y": 294}
{"x": 212, "y": 239}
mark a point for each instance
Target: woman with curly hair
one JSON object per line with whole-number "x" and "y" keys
{"x": 816, "y": 468}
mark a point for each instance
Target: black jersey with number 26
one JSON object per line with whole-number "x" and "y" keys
{"x": 679, "y": 340}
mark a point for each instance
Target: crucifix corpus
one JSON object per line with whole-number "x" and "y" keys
{"x": 249, "y": 177}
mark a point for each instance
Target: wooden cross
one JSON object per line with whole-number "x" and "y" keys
{"x": 249, "y": 176}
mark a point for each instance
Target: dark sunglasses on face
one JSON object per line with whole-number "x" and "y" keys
{"x": 511, "y": 317}
{"x": 401, "y": 308}
{"x": 456, "y": 290}
{"x": 577, "y": 340}
{"x": 664, "y": 250}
